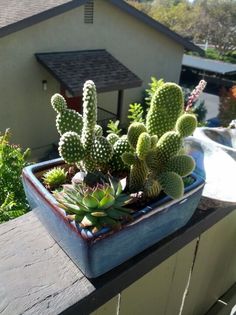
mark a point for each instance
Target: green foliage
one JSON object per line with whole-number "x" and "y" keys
{"x": 209, "y": 20}
{"x": 13, "y": 202}
{"x": 154, "y": 85}
{"x": 94, "y": 208}
{"x": 55, "y": 177}
{"x": 136, "y": 113}
{"x": 113, "y": 127}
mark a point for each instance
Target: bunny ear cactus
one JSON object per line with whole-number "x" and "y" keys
{"x": 81, "y": 139}
{"x": 120, "y": 146}
{"x": 157, "y": 163}
{"x": 166, "y": 106}
{"x": 67, "y": 119}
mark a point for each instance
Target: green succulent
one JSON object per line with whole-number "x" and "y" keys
{"x": 55, "y": 177}
{"x": 97, "y": 207}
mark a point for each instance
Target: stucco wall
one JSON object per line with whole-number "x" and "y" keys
{"x": 25, "y": 107}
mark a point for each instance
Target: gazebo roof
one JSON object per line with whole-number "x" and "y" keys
{"x": 73, "y": 68}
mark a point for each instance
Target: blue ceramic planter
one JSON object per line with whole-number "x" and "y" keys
{"x": 97, "y": 254}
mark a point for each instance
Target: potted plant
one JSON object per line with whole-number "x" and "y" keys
{"x": 98, "y": 221}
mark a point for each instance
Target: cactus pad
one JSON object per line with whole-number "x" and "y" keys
{"x": 154, "y": 140}
{"x": 101, "y": 150}
{"x": 181, "y": 164}
{"x": 168, "y": 145}
{"x": 143, "y": 145}
{"x": 153, "y": 163}
{"x": 70, "y": 147}
{"x": 128, "y": 158}
{"x": 138, "y": 174}
{"x": 112, "y": 138}
{"x": 172, "y": 184}
{"x": 166, "y": 106}
{"x": 152, "y": 188}
{"x": 186, "y": 124}
{"x": 98, "y": 131}
{"x": 134, "y": 131}
{"x": 58, "y": 103}
{"x": 69, "y": 120}
{"x": 121, "y": 146}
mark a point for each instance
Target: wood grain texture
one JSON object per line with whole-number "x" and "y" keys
{"x": 36, "y": 276}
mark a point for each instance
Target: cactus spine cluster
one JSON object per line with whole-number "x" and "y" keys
{"x": 81, "y": 139}
{"x": 151, "y": 151}
{"x": 157, "y": 163}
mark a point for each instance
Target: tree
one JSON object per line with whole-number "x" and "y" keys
{"x": 201, "y": 20}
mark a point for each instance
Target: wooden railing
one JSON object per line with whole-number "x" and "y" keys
{"x": 184, "y": 274}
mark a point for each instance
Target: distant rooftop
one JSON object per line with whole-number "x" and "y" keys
{"x": 209, "y": 65}
{"x": 73, "y": 68}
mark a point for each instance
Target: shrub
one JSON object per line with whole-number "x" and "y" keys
{"x": 13, "y": 202}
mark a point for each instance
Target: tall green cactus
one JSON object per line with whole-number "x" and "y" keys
{"x": 166, "y": 106}
{"x": 89, "y": 114}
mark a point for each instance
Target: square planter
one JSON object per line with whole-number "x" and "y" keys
{"x": 98, "y": 253}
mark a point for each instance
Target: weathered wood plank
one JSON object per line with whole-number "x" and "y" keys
{"x": 36, "y": 276}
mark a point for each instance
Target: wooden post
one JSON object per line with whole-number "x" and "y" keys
{"x": 120, "y": 104}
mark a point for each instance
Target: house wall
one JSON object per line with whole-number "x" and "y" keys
{"x": 25, "y": 107}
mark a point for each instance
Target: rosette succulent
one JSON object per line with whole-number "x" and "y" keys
{"x": 97, "y": 207}
{"x": 55, "y": 177}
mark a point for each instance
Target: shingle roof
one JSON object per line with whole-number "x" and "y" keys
{"x": 208, "y": 65}
{"x": 73, "y": 68}
{"x": 19, "y": 14}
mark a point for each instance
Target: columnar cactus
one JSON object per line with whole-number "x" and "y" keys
{"x": 89, "y": 114}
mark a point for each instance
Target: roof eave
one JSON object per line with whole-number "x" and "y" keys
{"x": 157, "y": 26}
{"x": 42, "y": 16}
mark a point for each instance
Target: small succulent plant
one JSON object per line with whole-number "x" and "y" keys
{"x": 55, "y": 177}
{"x": 97, "y": 207}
